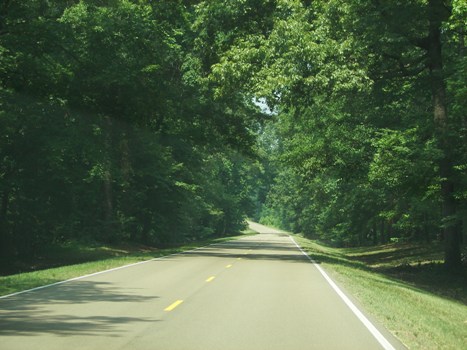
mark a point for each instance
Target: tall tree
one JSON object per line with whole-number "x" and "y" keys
{"x": 353, "y": 94}
{"x": 438, "y": 12}
{"x": 103, "y": 106}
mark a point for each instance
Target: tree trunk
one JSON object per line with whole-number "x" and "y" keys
{"x": 437, "y": 13}
{"x": 389, "y": 230}
{"x": 464, "y": 228}
{"x": 375, "y": 234}
{"x": 426, "y": 229}
{"x": 4, "y": 246}
{"x": 4, "y": 206}
{"x": 382, "y": 237}
{"x": 125, "y": 162}
{"x": 108, "y": 200}
{"x": 108, "y": 196}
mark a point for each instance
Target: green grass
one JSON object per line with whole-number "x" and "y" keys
{"x": 405, "y": 287}
{"x": 79, "y": 259}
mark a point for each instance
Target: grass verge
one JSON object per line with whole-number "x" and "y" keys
{"x": 79, "y": 260}
{"x": 404, "y": 287}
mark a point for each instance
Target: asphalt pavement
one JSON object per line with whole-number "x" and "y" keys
{"x": 257, "y": 292}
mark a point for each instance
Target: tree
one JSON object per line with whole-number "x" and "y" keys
{"x": 110, "y": 129}
{"x": 353, "y": 95}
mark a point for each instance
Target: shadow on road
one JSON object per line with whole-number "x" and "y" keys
{"x": 255, "y": 249}
{"x": 28, "y": 314}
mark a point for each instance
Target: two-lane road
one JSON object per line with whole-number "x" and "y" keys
{"x": 258, "y": 292}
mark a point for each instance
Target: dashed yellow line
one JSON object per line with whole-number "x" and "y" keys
{"x": 210, "y": 278}
{"x": 228, "y": 266}
{"x": 173, "y": 305}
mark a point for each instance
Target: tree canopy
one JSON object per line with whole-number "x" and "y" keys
{"x": 165, "y": 121}
{"x": 367, "y": 115}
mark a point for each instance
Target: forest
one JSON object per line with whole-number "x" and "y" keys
{"x": 160, "y": 122}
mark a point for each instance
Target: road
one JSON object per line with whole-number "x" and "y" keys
{"x": 258, "y": 292}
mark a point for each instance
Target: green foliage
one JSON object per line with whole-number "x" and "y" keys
{"x": 139, "y": 120}
{"x": 360, "y": 157}
{"x": 110, "y": 132}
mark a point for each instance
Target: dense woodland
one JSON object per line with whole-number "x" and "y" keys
{"x": 160, "y": 122}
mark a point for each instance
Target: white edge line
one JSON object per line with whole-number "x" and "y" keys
{"x": 99, "y": 272}
{"x": 366, "y": 322}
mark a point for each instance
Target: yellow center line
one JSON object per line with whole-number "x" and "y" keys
{"x": 173, "y": 306}
{"x": 239, "y": 258}
{"x": 228, "y": 266}
{"x": 210, "y": 278}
